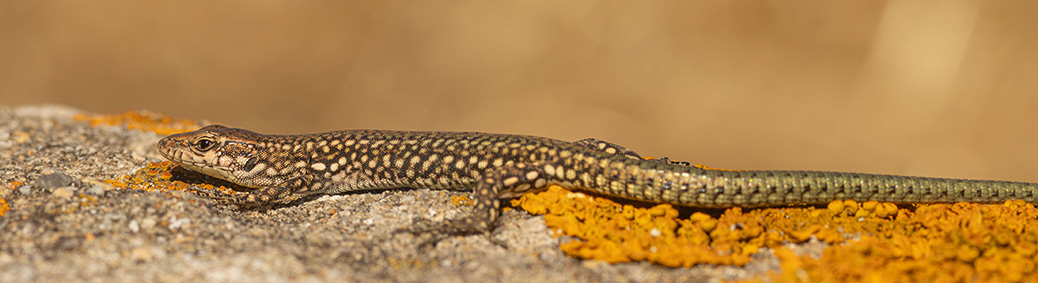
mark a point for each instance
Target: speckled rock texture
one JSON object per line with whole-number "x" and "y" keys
{"x": 66, "y": 224}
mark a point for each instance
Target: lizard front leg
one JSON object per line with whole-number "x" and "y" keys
{"x": 505, "y": 182}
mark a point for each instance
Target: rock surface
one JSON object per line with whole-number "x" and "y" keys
{"x": 66, "y": 224}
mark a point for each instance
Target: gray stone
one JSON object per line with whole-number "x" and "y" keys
{"x": 54, "y": 180}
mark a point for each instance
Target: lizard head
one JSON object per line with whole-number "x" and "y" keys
{"x": 215, "y": 150}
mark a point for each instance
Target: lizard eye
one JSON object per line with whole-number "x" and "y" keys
{"x": 204, "y": 144}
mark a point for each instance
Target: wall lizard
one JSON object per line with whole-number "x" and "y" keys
{"x": 283, "y": 168}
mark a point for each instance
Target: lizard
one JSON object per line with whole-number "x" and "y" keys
{"x": 283, "y": 168}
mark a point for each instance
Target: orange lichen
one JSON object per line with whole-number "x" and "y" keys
{"x": 939, "y": 242}
{"x": 4, "y": 207}
{"x": 13, "y": 185}
{"x": 461, "y": 200}
{"x": 961, "y": 241}
{"x": 142, "y": 120}
{"x": 157, "y": 176}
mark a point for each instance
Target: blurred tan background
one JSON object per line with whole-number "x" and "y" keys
{"x": 946, "y": 88}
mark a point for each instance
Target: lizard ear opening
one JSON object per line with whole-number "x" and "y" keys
{"x": 251, "y": 164}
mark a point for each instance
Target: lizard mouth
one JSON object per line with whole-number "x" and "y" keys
{"x": 172, "y": 150}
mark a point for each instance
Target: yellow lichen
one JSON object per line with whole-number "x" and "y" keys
{"x": 142, "y": 120}
{"x": 868, "y": 241}
{"x": 3, "y": 207}
{"x": 940, "y": 242}
{"x": 13, "y": 185}
{"x": 461, "y": 200}
{"x": 157, "y": 177}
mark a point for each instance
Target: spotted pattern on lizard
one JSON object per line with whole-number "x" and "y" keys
{"x": 283, "y": 168}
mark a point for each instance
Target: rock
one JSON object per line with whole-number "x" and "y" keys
{"x": 25, "y": 189}
{"x": 63, "y": 192}
{"x": 55, "y": 180}
{"x": 95, "y": 187}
